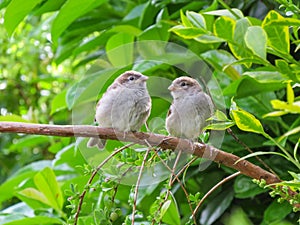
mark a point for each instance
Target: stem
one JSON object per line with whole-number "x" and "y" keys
{"x": 81, "y": 197}
{"x": 212, "y": 190}
{"x": 138, "y": 184}
{"x": 289, "y": 157}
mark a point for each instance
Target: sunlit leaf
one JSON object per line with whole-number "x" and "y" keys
{"x": 184, "y": 20}
{"x": 224, "y": 28}
{"x": 290, "y": 94}
{"x": 278, "y": 36}
{"x": 293, "y": 108}
{"x": 256, "y": 40}
{"x": 290, "y": 132}
{"x": 169, "y": 211}
{"x": 33, "y": 193}
{"x": 19, "y": 176}
{"x": 16, "y": 11}
{"x": 239, "y": 48}
{"x": 187, "y": 32}
{"x": 196, "y": 19}
{"x": 275, "y": 114}
{"x": 13, "y": 118}
{"x": 219, "y": 126}
{"x": 119, "y": 49}
{"x": 47, "y": 184}
{"x": 234, "y": 13}
{"x": 59, "y": 102}
{"x": 71, "y": 10}
{"x": 246, "y": 121}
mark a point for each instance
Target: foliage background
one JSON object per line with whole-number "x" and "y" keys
{"x": 47, "y": 47}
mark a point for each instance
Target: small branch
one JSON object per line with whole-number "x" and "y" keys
{"x": 212, "y": 190}
{"x": 136, "y": 190}
{"x": 81, "y": 197}
{"x": 164, "y": 142}
{"x": 249, "y": 150}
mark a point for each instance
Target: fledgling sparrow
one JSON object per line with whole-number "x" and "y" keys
{"x": 190, "y": 109}
{"x": 125, "y": 106}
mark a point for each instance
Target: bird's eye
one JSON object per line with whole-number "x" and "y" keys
{"x": 183, "y": 84}
{"x": 131, "y": 78}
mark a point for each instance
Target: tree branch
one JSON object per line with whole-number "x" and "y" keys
{"x": 164, "y": 142}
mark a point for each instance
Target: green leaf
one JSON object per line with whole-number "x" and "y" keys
{"x": 278, "y": 36}
{"x": 290, "y": 93}
{"x": 219, "y": 116}
{"x": 216, "y": 207}
{"x": 22, "y": 174}
{"x": 277, "y": 211}
{"x": 226, "y": 12}
{"x": 290, "y": 132}
{"x": 219, "y": 126}
{"x": 13, "y": 118}
{"x": 187, "y": 32}
{"x": 184, "y": 20}
{"x": 246, "y": 121}
{"x": 239, "y": 48}
{"x": 244, "y": 187}
{"x": 16, "y": 11}
{"x": 93, "y": 43}
{"x": 169, "y": 211}
{"x": 237, "y": 216}
{"x": 283, "y": 21}
{"x": 34, "y": 194}
{"x": 219, "y": 59}
{"x": 256, "y": 40}
{"x": 119, "y": 49}
{"x": 224, "y": 28}
{"x": 260, "y": 153}
{"x": 49, "y": 6}
{"x": 208, "y": 39}
{"x": 29, "y": 142}
{"x": 128, "y": 29}
{"x": 70, "y": 11}
{"x": 252, "y": 83}
{"x": 293, "y": 108}
{"x": 275, "y": 114}
{"x": 46, "y": 183}
{"x": 59, "y": 102}
{"x": 196, "y": 19}
{"x": 16, "y": 220}
{"x": 89, "y": 87}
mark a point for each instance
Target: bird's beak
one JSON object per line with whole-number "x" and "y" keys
{"x": 144, "y": 78}
{"x": 171, "y": 87}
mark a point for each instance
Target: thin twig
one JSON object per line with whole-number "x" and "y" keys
{"x": 179, "y": 181}
{"x": 184, "y": 168}
{"x": 212, "y": 190}
{"x": 81, "y": 197}
{"x": 138, "y": 184}
{"x": 249, "y": 150}
{"x": 170, "y": 183}
{"x": 117, "y": 185}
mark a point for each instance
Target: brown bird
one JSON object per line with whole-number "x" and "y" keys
{"x": 125, "y": 106}
{"x": 190, "y": 109}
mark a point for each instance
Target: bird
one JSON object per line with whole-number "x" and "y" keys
{"x": 125, "y": 106}
{"x": 190, "y": 109}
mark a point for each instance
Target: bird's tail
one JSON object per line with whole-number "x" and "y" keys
{"x": 96, "y": 142}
